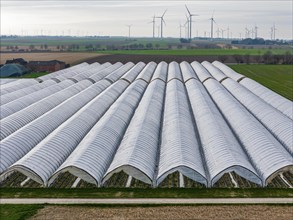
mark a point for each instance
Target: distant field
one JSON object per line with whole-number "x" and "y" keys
{"x": 71, "y": 58}
{"x": 278, "y": 78}
{"x": 199, "y": 52}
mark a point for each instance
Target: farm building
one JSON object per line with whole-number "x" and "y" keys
{"x": 19, "y": 61}
{"x": 196, "y": 124}
{"x": 46, "y": 66}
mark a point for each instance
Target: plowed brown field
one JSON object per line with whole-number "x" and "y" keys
{"x": 260, "y": 212}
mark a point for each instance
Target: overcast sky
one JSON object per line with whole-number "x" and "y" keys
{"x": 76, "y": 17}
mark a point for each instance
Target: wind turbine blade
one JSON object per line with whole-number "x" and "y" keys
{"x": 164, "y": 13}
{"x": 163, "y": 21}
{"x": 213, "y": 13}
{"x": 187, "y": 10}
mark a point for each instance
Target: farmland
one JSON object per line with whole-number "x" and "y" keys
{"x": 278, "y": 78}
{"x": 70, "y": 58}
{"x": 199, "y": 52}
{"x": 13, "y": 212}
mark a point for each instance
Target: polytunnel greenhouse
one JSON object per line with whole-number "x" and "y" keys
{"x": 144, "y": 125}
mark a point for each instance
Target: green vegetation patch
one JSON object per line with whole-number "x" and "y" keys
{"x": 18, "y": 212}
{"x": 146, "y": 193}
{"x": 278, "y": 78}
{"x": 34, "y": 75}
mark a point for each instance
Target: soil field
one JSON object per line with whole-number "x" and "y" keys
{"x": 124, "y": 58}
{"x": 70, "y": 58}
{"x": 166, "y": 212}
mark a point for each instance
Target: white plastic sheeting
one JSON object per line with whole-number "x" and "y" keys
{"x": 89, "y": 72}
{"x": 93, "y": 155}
{"x": 48, "y": 155}
{"x": 179, "y": 147}
{"x": 161, "y": 72}
{"x": 267, "y": 154}
{"x": 201, "y": 72}
{"x": 78, "y": 71}
{"x": 147, "y": 73}
{"x": 19, "y": 119}
{"x": 5, "y": 81}
{"x": 18, "y": 144}
{"x": 63, "y": 71}
{"x": 221, "y": 150}
{"x": 17, "y": 85}
{"x": 187, "y": 71}
{"x": 200, "y": 127}
{"x": 137, "y": 153}
{"x": 23, "y": 102}
{"x": 228, "y": 71}
{"x": 174, "y": 71}
{"x": 101, "y": 74}
{"x": 279, "y": 102}
{"x": 118, "y": 73}
{"x": 216, "y": 73}
{"x": 25, "y": 91}
{"x": 281, "y": 127}
{"x": 132, "y": 74}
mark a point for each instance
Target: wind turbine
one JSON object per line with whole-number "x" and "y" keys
{"x": 190, "y": 21}
{"x": 180, "y": 27}
{"x": 218, "y": 32}
{"x": 129, "y": 27}
{"x": 154, "y": 25}
{"x": 255, "y": 31}
{"x": 222, "y": 30}
{"x": 187, "y": 23}
{"x": 247, "y": 32}
{"x": 162, "y": 20}
{"x": 274, "y": 31}
{"x": 228, "y": 33}
{"x": 212, "y": 25}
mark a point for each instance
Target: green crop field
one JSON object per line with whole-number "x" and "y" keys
{"x": 278, "y": 78}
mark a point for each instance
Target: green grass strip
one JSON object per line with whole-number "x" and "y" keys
{"x": 146, "y": 193}
{"x": 18, "y": 212}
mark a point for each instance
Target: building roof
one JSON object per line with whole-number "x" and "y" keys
{"x": 13, "y": 69}
{"x": 49, "y": 63}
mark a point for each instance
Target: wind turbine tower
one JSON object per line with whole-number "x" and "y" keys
{"x": 218, "y": 33}
{"x": 187, "y": 23}
{"x": 154, "y": 25}
{"x": 190, "y": 21}
{"x": 274, "y": 31}
{"x": 180, "y": 27}
{"x": 255, "y": 31}
{"x": 212, "y": 25}
{"x": 162, "y": 21}
{"x": 129, "y": 29}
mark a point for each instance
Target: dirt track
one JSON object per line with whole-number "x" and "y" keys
{"x": 260, "y": 212}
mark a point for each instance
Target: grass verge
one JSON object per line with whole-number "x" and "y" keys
{"x": 145, "y": 193}
{"x": 18, "y": 212}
